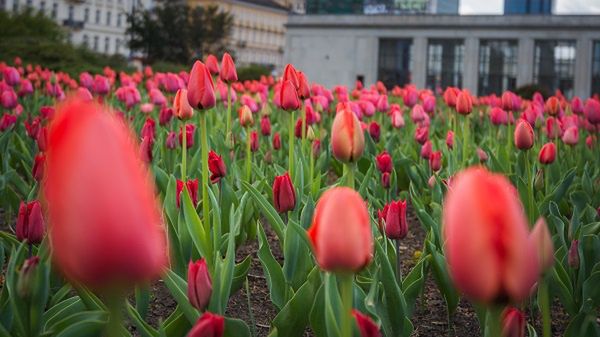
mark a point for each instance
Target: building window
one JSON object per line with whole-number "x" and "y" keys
{"x": 395, "y": 61}
{"x": 15, "y": 5}
{"x": 596, "y": 69}
{"x": 106, "y": 44}
{"x": 497, "y": 66}
{"x": 555, "y": 65}
{"x": 97, "y": 16}
{"x": 86, "y": 15}
{"x": 29, "y": 3}
{"x": 43, "y": 6}
{"x": 119, "y": 19}
{"x": 54, "y": 10}
{"x": 71, "y": 13}
{"x": 96, "y": 38}
{"x": 86, "y": 42}
{"x": 108, "y": 15}
{"x": 117, "y": 46}
{"x": 445, "y": 63}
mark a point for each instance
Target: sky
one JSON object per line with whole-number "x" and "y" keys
{"x": 562, "y": 6}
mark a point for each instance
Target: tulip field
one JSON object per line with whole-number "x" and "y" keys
{"x": 192, "y": 204}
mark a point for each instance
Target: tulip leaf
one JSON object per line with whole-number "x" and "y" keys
{"x": 332, "y": 306}
{"x": 176, "y": 325}
{"x": 19, "y": 309}
{"x": 196, "y": 228}
{"x": 440, "y": 274}
{"x": 583, "y": 325}
{"x": 85, "y": 328}
{"x": 270, "y": 213}
{"x": 4, "y": 332}
{"x": 240, "y": 273}
{"x": 365, "y": 181}
{"x": 178, "y": 288}
{"x": 236, "y": 328}
{"x": 60, "y": 295}
{"x": 278, "y": 288}
{"x": 591, "y": 289}
{"x": 412, "y": 284}
{"x": 144, "y": 328}
{"x": 61, "y": 310}
{"x": 296, "y": 264}
{"x": 65, "y": 323}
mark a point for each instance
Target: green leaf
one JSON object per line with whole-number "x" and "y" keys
{"x": 296, "y": 264}
{"x": 270, "y": 213}
{"x": 83, "y": 329}
{"x": 278, "y": 288}
{"x": 178, "y": 288}
{"x": 240, "y": 273}
{"x": 144, "y": 328}
{"x": 236, "y": 328}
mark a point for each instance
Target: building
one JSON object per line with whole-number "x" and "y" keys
{"x": 98, "y": 24}
{"x": 540, "y": 7}
{"x": 258, "y": 34}
{"x": 486, "y": 54}
{"x": 379, "y": 7}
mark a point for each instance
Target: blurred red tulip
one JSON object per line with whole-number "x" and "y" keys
{"x": 571, "y": 136}
{"x": 384, "y": 162}
{"x": 513, "y": 323}
{"x": 106, "y": 227}
{"x": 30, "y": 223}
{"x": 509, "y": 101}
{"x": 450, "y": 139}
{"x": 39, "y": 164}
{"x": 216, "y": 166}
{"x": 553, "y": 129}
{"x": 375, "y": 131}
{"x": 290, "y": 74}
{"x": 542, "y": 240}
{"x": 228, "y": 71}
{"x": 577, "y": 105}
{"x": 450, "y": 97}
{"x": 288, "y": 97}
{"x": 146, "y": 149}
{"x": 547, "y": 153}
{"x": 347, "y": 137}
{"x": 393, "y": 219}
{"x": 284, "y": 196}
{"x": 552, "y": 106}
{"x": 341, "y": 231}
{"x": 192, "y": 189}
{"x": 464, "y": 103}
{"x": 435, "y": 161}
{"x": 245, "y": 116}
{"x": 201, "y": 90}
{"x": 276, "y": 141}
{"x": 592, "y": 111}
{"x": 189, "y": 136}
{"x": 199, "y": 284}
{"x": 486, "y": 206}
{"x": 212, "y": 64}
{"x": 365, "y": 324}
{"x": 426, "y": 150}
{"x": 181, "y": 107}
{"x": 385, "y": 180}
{"x": 265, "y": 126}
{"x": 254, "y": 142}
{"x": 304, "y": 88}
{"x": 523, "y": 135}
{"x": 165, "y": 115}
{"x": 421, "y": 134}
{"x": 209, "y": 325}
{"x": 171, "y": 140}
{"x": 316, "y": 147}
{"x": 498, "y": 116}
{"x": 8, "y": 99}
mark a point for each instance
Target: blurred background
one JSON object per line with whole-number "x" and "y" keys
{"x": 485, "y": 46}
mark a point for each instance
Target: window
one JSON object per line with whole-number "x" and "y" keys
{"x": 497, "y": 66}
{"x": 15, "y": 6}
{"x": 555, "y": 65}
{"x": 119, "y": 19}
{"x": 29, "y": 3}
{"x": 106, "y": 44}
{"x": 444, "y": 63}
{"x": 96, "y": 38}
{"x": 71, "y": 12}
{"x": 43, "y": 6}
{"x": 97, "y": 16}
{"x": 86, "y": 15}
{"x": 108, "y": 15}
{"x": 54, "y": 10}
{"x": 596, "y": 68}
{"x": 395, "y": 61}
{"x": 86, "y": 42}
{"x": 117, "y": 45}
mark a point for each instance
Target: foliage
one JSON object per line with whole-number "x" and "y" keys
{"x": 528, "y": 90}
{"x": 252, "y": 72}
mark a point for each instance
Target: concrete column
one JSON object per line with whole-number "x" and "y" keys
{"x": 419, "y": 61}
{"x": 525, "y": 61}
{"x": 583, "y": 66}
{"x": 471, "y": 64}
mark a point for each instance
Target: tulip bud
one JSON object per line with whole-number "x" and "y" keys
{"x": 592, "y": 111}
{"x": 165, "y": 115}
{"x": 498, "y": 116}
{"x": 394, "y": 216}
{"x": 212, "y": 64}
{"x": 571, "y": 136}
{"x": 426, "y": 150}
{"x": 316, "y": 147}
{"x": 464, "y": 103}
{"x": 374, "y": 131}
{"x": 245, "y": 115}
{"x": 228, "y": 71}
{"x": 421, "y": 134}
{"x": 199, "y": 285}
{"x": 547, "y": 153}
{"x": 384, "y": 162}
{"x": 450, "y": 139}
{"x": 513, "y": 323}
{"x": 365, "y": 324}
{"x": 189, "y": 136}
{"x": 181, "y": 107}
{"x": 30, "y": 223}
{"x": 483, "y": 156}
{"x": 523, "y": 135}
{"x": 209, "y": 325}
{"x": 431, "y": 181}
{"x": 216, "y": 166}
{"x": 254, "y": 144}
{"x": 26, "y": 280}
{"x": 541, "y": 239}
{"x": 304, "y": 88}
{"x": 265, "y": 126}
{"x": 146, "y": 149}
{"x": 171, "y": 140}
{"x": 192, "y": 188}
{"x": 284, "y": 196}
{"x": 508, "y": 101}
{"x": 42, "y": 139}
{"x": 573, "y": 257}
{"x": 435, "y": 161}
{"x": 201, "y": 90}
{"x": 347, "y": 137}
{"x": 276, "y": 141}
{"x": 450, "y": 97}
{"x": 290, "y": 74}
{"x": 385, "y": 180}
{"x": 38, "y": 166}
{"x": 341, "y": 231}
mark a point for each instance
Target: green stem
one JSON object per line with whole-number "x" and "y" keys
{"x": 115, "y": 320}
{"x": 398, "y": 263}
{"x": 509, "y": 147}
{"x": 248, "y": 155}
{"x": 311, "y": 171}
{"x": 545, "y": 308}
{"x": 529, "y": 181}
{"x": 184, "y": 154}
{"x": 291, "y": 144}
{"x": 345, "y": 286}
{"x": 349, "y": 174}
{"x": 204, "y": 137}
{"x": 465, "y": 145}
{"x": 303, "y": 130}
{"x": 228, "y": 111}
{"x": 250, "y": 313}
{"x": 494, "y": 322}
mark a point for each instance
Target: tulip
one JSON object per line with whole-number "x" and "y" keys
{"x": 396, "y": 119}
{"x": 284, "y": 196}
{"x": 385, "y": 180}
{"x": 589, "y": 141}
{"x": 592, "y": 111}
{"x": 541, "y": 239}
{"x": 523, "y": 135}
{"x": 547, "y": 154}
{"x": 265, "y": 126}
{"x": 146, "y": 149}
{"x": 513, "y": 323}
{"x": 212, "y": 64}
{"x": 429, "y": 103}
{"x": 341, "y": 231}
{"x": 7, "y": 121}
{"x": 509, "y": 101}
{"x": 26, "y": 282}
{"x": 42, "y": 139}
{"x": 39, "y": 164}
{"x": 288, "y": 96}
{"x": 199, "y": 285}
{"x": 189, "y": 135}
{"x": 577, "y": 105}
{"x": 421, "y": 134}
{"x": 435, "y": 160}
{"x": 482, "y": 155}
{"x": 201, "y": 90}
{"x": 11, "y": 76}
{"x": 209, "y": 325}
{"x": 30, "y": 223}
{"x": 394, "y": 218}
{"x": 552, "y": 106}
{"x": 347, "y": 137}
{"x": 107, "y": 229}
{"x": 32, "y": 128}
{"x": 316, "y": 147}
{"x": 410, "y": 98}
{"x": 464, "y": 103}
{"x": 486, "y": 206}
{"x": 181, "y": 107}
{"x": 245, "y": 116}
{"x": 375, "y": 131}
{"x": 450, "y": 139}
{"x": 304, "y": 88}
{"x": 450, "y": 97}
{"x": 192, "y": 188}
{"x": 553, "y": 129}
{"x": 290, "y": 74}
{"x": 384, "y": 162}
{"x": 573, "y": 257}
{"x": 216, "y": 166}
{"x": 228, "y": 71}
{"x": 165, "y": 115}
{"x": 498, "y": 116}
{"x": 254, "y": 141}
{"x": 8, "y": 99}
{"x": 426, "y": 150}
{"x": 365, "y": 324}
{"x": 276, "y": 141}
{"x": 571, "y": 136}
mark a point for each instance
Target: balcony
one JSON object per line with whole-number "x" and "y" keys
{"x": 73, "y": 24}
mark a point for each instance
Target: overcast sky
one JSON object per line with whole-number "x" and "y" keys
{"x": 562, "y": 6}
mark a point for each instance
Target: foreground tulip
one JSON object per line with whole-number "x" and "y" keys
{"x": 513, "y": 323}
{"x": 30, "y": 223}
{"x": 284, "y": 196}
{"x": 288, "y": 96}
{"x": 216, "y": 166}
{"x": 523, "y": 135}
{"x": 347, "y": 137}
{"x": 201, "y": 90}
{"x": 106, "y": 227}
{"x": 228, "y": 73}
{"x": 486, "y": 206}
{"x": 365, "y": 324}
{"x": 341, "y": 232}
{"x": 209, "y": 325}
{"x": 181, "y": 107}
{"x": 547, "y": 154}
{"x": 199, "y": 284}
{"x": 394, "y": 220}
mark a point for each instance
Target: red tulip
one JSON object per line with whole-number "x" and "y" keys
{"x": 146, "y": 149}
{"x": 450, "y": 139}
{"x": 542, "y": 240}
{"x": 341, "y": 231}
{"x": 30, "y": 223}
{"x": 523, "y": 135}
{"x": 509, "y": 101}
{"x": 553, "y": 129}
{"x": 228, "y": 72}
{"x": 107, "y": 228}
{"x": 288, "y": 97}
{"x": 316, "y": 147}
{"x": 552, "y": 106}
{"x": 573, "y": 257}
{"x": 276, "y": 141}
{"x": 571, "y": 136}
{"x": 365, "y": 324}
{"x": 181, "y": 107}
{"x": 9, "y": 99}
{"x": 577, "y": 105}
{"x": 209, "y": 325}
{"x": 189, "y": 136}
{"x": 498, "y": 116}
{"x": 265, "y": 126}
{"x": 245, "y": 116}
{"x": 254, "y": 142}
{"x": 421, "y": 134}
{"x": 385, "y": 180}
{"x": 394, "y": 219}
{"x": 290, "y": 74}
{"x": 284, "y": 196}
{"x": 39, "y": 164}
{"x": 450, "y": 97}
{"x": 42, "y": 139}
{"x": 347, "y": 137}
{"x": 171, "y": 140}
{"x": 192, "y": 189}
{"x": 216, "y": 167}
{"x": 426, "y": 150}
{"x": 484, "y": 220}
{"x": 435, "y": 160}
{"x": 212, "y": 64}
{"x": 483, "y": 157}
{"x": 513, "y": 323}
{"x": 375, "y": 131}
{"x": 464, "y": 103}
{"x": 165, "y": 115}
{"x": 592, "y": 111}
{"x": 547, "y": 153}
{"x": 384, "y": 162}
{"x": 304, "y": 87}
{"x": 201, "y": 90}
{"x": 199, "y": 284}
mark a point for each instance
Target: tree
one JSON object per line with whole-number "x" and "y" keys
{"x": 174, "y": 32}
